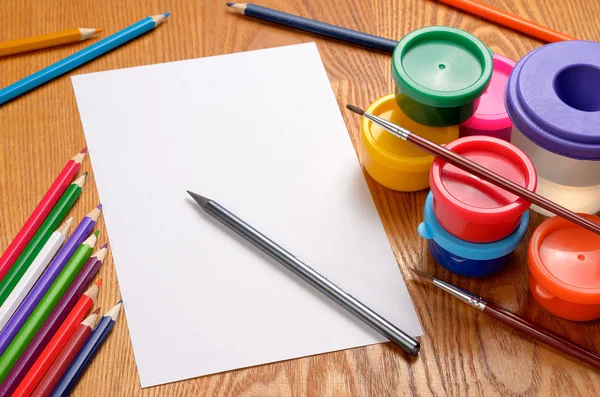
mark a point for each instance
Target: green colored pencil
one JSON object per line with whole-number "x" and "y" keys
{"x": 46, "y": 305}
{"x": 52, "y": 222}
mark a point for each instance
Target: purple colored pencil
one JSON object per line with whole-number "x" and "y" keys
{"x": 53, "y": 322}
{"x": 36, "y": 294}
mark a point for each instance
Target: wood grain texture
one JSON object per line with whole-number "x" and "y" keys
{"x": 464, "y": 353}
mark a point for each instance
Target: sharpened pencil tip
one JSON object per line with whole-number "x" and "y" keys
{"x": 99, "y": 206}
{"x": 99, "y": 30}
{"x": 99, "y": 283}
{"x": 201, "y": 200}
{"x": 96, "y": 311}
{"x": 96, "y": 233}
{"x": 104, "y": 246}
{"x": 84, "y": 150}
{"x": 120, "y": 302}
{"x": 166, "y": 14}
{"x": 229, "y": 4}
{"x": 355, "y": 109}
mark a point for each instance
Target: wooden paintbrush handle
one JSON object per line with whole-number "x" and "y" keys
{"x": 536, "y": 331}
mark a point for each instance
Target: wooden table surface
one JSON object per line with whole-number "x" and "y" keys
{"x": 463, "y": 352}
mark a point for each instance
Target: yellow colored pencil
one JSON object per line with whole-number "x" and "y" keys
{"x": 46, "y": 40}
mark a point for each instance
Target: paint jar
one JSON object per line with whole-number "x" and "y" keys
{"x": 491, "y": 118}
{"x": 564, "y": 269}
{"x": 440, "y": 72}
{"x": 391, "y": 161}
{"x": 466, "y": 258}
{"x": 553, "y": 100}
{"x": 472, "y": 209}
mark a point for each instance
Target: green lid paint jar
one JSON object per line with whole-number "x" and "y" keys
{"x": 440, "y": 73}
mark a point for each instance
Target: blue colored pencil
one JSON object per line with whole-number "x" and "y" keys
{"x": 312, "y": 26}
{"x": 80, "y": 57}
{"x": 87, "y": 353}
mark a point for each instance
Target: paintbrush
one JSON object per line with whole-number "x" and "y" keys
{"x": 536, "y": 331}
{"x": 475, "y": 169}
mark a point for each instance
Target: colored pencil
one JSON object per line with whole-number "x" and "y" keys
{"x": 34, "y": 272}
{"x": 40, "y": 238}
{"x": 312, "y": 26}
{"x": 87, "y": 353}
{"x": 58, "y": 342}
{"x": 46, "y": 41}
{"x": 475, "y": 169}
{"x": 503, "y": 18}
{"x": 53, "y": 322}
{"x": 40, "y": 213}
{"x": 80, "y": 57}
{"x": 41, "y": 287}
{"x": 536, "y": 331}
{"x": 47, "y": 304}
{"x": 66, "y": 356}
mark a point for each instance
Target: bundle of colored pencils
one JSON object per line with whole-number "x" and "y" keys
{"x": 46, "y": 340}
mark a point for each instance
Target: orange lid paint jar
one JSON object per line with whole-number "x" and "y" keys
{"x": 564, "y": 269}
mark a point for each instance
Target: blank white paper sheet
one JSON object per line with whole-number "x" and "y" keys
{"x": 261, "y": 133}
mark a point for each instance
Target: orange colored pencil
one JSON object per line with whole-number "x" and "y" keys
{"x": 503, "y": 18}
{"x": 46, "y": 40}
{"x": 66, "y": 356}
{"x": 58, "y": 341}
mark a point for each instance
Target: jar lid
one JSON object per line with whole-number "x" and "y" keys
{"x": 431, "y": 229}
{"x": 442, "y": 66}
{"x": 477, "y": 200}
{"x": 552, "y": 98}
{"x": 565, "y": 259}
{"x": 491, "y": 113}
{"x": 393, "y": 151}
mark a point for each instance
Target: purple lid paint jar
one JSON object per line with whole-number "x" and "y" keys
{"x": 553, "y": 100}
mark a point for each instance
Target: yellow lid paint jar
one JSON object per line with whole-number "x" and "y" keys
{"x": 392, "y": 162}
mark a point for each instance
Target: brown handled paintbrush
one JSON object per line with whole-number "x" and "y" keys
{"x": 475, "y": 169}
{"x": 536, "y": 331}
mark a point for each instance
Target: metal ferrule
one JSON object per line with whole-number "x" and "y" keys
{"x": 388, "y": 126}
{"x": 471, "y": 299}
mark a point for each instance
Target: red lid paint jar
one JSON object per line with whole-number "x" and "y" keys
{"x": 491, "y": 117}
{"x": 440, "y": 72}
{"x": 475, "y": 210}
{"x": 564, "y": 269}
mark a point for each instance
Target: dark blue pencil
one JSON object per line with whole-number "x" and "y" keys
{"x": 309, "y": 25}
{"x": 87, "y": 353}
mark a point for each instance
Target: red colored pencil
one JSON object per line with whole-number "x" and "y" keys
{"x": 66, "y": 356}
{"x": 58, "y": 341}
{"x": 40, "y": 213}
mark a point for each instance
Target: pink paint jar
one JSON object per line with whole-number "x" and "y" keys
{"x": 491, "y": 118}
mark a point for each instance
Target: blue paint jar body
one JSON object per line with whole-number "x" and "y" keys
{"x": 465, "y": 258}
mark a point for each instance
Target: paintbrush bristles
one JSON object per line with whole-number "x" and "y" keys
{"x": 422, "y": 275}
{"x": 355, "y": 109}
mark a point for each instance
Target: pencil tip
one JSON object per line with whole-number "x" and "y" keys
{"x": 96, "y": 233}
{"x": 120, "y": 302}
{"x": 229, "y": 4}
{"x": 99, "y": 30}
{"x": 99, "y": 283}
{"x": 85, "y": 174}
{"x": 355, "y": 109}
{"x": 166, "y": 14}
{"x": 96, "y": 311}
{"x": 104, "y": 246}
{"x": 201, "y": 200}
{"x": 84, "y": 150}
{"x": 99, "y": 206}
